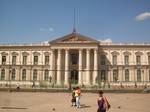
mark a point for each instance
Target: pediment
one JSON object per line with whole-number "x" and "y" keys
{"x": 74, "y": 38}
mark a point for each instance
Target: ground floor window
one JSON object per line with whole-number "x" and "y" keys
{"x": 46, "y": 75}
{"x": 103, "y": 75}
{"x": 34, "y": 74}
{"x": 3, "y": 74}
{"x": 24, "y": 74}
{"x": 126, "y": 75}
{"x": 115, "y": 75}
{"x": 149, "y": 75}
{"x": 138, "y": 75}
{"x": 13, "y": 76}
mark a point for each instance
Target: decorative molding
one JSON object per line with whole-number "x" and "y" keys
{"x": 25, "y": 53}
{"x": 47, "y": 53}
{"x": 4, "y": 54}
{"x": 115, "y": 53}
{"x": 127, "y": 53}
{"x": 36, "y": 53}
{"x": 14, "y": 53}
{"x": 139, "y": 53}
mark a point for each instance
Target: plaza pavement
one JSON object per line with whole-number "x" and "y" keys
{"x": 60, "y": 102}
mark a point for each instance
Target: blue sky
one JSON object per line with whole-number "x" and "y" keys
{"x": 27, "y": 21}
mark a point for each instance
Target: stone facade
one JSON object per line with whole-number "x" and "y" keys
{"x": 75, "y": 58}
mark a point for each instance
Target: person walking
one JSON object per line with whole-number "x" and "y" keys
{"x": 73, "y": 100}
{"x": 77, "y": 95}
{"x": 103, "y": 104}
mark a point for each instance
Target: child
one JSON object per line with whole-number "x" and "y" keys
{"x": 73, "y": 97}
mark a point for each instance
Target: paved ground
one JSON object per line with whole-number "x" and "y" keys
{"x": 60, "y": 102}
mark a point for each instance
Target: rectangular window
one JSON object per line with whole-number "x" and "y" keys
{"x": 46, "y": 60}
{"x": 138, "y": 60}
{"x": 149, "y": 75}
{"x": 24, "y": 74}
{"x": 3, "y": 60}
{"x": 103, "y": 59}
{"x": 35, "y": 60}
{"x": 103, "y": 75}
{"x": 114, "y": 60}
{"x": 149, "y": 60}
{"x": 35, "y": 75}
{"x": 46, "y": 75}
{"x": 24, "y": 60}
{"x": 14, "y": 60}
{"x": 139, "y": 75}
{"x": 115, "y": 75}
{"x": 126, "y": 75}
{"x": 13, "y": 76}
{"x": 3, "y": 74}
{"x": 126, "y": 60}
{"x": 74, "y": 59}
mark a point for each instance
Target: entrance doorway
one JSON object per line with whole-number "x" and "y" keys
{"x": 74, "y": 76}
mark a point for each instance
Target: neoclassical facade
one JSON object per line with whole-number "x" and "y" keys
{"x": 77, "y": 59}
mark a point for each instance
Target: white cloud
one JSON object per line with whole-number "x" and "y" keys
{"x": 42, "y": 29}
{"x": 51, "y": 29}
{"x": 47, "y": 29}
{"x": 143, "y": 16}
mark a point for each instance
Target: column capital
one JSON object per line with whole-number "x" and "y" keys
{"x": 95, "y": 50}
{"x": 59, "y": 51}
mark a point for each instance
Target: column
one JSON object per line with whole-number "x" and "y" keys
{"x": 52, "y": 65}
{"x": 80, "y": 67}
{"x": 66, "y": 66}
{"x": 95, "y": 66}
{"x": 59, "y": 67}
{"x": 88, "y": 66}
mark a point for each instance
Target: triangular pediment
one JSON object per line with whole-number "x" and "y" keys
{"x": 74, "y": 38}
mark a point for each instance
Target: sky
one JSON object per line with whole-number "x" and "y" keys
{"x": 31, "y": 21}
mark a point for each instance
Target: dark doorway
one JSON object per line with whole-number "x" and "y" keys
{"x": 74, "y": 76}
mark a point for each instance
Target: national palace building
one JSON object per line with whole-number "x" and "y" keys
{"x": 75, "y": 57}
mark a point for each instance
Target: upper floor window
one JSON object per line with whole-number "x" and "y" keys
{"x": 149, "y": 60}
{"x": 46, "y": 75}
{"x": 103, "y": 59}
{"x": 24, "y": 74}
{"x": 24, "y": 60}
{"x": 126, "y": 59}
{"x": 3, "y": 60}
{"x": 13, "y": 76}
{"x": 3, "y": 74}
{"x": 14, "y": 60}
{"x": 114, "y": 60}
{"x": 126, "y": 75}
{"x": 138, "y": 75}
{"x": 35, "y": 60}
{"x": 115, "y": 75}
{"x": 74, "y": 59}
{"x": 138, "y": 60}
{"x": 34, "y": 74}
{"x": 46, "y": 60}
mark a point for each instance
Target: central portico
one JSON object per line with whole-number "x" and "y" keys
{"x": 74, "y": 57}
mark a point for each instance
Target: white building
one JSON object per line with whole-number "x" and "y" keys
{"x": 77, "y": 57}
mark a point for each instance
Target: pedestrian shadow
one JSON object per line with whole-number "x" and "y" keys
{"x": 84, "y": 106}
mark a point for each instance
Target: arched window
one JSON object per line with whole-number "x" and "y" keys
{"x": 3, "y": 74}
{"x": 24, "y": 74}
{"x": 34, "y": 74}
{"x": 126, "y": 75}
{"x": 13, "y": 76}
{"x": 46, "y": 73}
{"x": 138, "y": 75}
